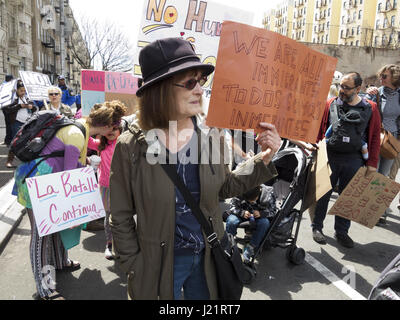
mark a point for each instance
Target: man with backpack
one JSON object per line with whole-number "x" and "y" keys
{"x": 351, "y": 122}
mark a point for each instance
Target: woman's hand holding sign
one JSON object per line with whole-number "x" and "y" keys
{"x": 269, "y": 141}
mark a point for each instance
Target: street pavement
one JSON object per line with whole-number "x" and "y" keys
{"x": 330, "y": 272}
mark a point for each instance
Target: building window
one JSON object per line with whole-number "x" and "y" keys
{"x": 387, "y": 4}
{"x": 358, "y": 43}
{"x": 379, "y": 7}
{"x": 359, "y": 14}
{"x": 393, "y": 20}
{"x": 385, "y": 23}
{"x": 377, "y": 23}
{"x": 358, "y": 29}
{"x": 329, "y": 12}
{"x": 376, "y": 41}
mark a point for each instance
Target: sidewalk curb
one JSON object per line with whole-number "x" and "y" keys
{"x": 10, "y": 214}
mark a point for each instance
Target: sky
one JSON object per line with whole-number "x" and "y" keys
{"x": 128, "y": 13}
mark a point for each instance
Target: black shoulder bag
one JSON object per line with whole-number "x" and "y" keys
{"x": 227, "y": 259}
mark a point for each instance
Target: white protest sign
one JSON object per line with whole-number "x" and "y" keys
{"x": 65, "y": 199}
{"x": 6, "y": 92}
{"x": 199, "y": 22}
{"x": 36, "y": 84}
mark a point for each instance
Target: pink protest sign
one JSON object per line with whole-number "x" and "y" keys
{"x": 93, "y": 80}
{"x": 65, "y": 199}
{"x": 121, "y": 82}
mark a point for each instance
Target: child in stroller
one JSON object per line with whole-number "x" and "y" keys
{"x": 252, "y": 210}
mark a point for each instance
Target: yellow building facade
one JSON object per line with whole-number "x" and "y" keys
{"x": 339, "y": 22}
{"x": 303, "y": 20}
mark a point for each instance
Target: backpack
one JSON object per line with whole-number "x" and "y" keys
{"x": 387, "y": 287}
{"x": 348, "y": 126}
{"x": 39, "y": 129}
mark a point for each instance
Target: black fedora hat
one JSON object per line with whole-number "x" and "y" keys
{"x": 165, "y": 57}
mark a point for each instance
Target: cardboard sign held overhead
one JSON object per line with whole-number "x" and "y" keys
{"x": 364, "y": 200}
{"x": 36, "y": 84}
{"x": 262, "y": 76}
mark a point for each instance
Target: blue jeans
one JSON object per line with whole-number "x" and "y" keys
{"x": 189, "y": 274}
{"x": 262, "y": 225}
{"x": 15, "y": 128}
{"x": 343, "y": 170}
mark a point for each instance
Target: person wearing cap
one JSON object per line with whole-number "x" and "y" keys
{"x": 164, "y": 250}
{"x": 67, "y": 96}
{"x": 18, "y": 112}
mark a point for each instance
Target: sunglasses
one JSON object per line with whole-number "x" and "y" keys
{"x": 54, "y": 94}
{"x": 344, "y": 87}
{"x": 191, "y": 83}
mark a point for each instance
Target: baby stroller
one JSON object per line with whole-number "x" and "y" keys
{"x": 290, "y": 186}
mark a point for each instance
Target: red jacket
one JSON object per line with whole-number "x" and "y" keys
{"x": 374, "y": 132}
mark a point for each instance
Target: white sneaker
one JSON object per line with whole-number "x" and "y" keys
{"x": 108, "y": 253}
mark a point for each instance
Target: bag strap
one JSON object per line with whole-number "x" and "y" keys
{"x": 170, "y": 170}
{"x": 55, "y": 154}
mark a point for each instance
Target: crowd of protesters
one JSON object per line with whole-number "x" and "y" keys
{"x": 150, "y": 224}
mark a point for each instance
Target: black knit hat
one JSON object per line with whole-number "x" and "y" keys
{"x": 165, "y": 57}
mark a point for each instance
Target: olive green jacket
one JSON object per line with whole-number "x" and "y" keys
{"x": 143, "y": 207}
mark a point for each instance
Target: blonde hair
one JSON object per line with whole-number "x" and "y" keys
{"x": 54, "y": 89}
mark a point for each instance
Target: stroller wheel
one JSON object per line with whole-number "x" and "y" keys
{"x": 249, "y": 274}
{"x": 295, "y": 255}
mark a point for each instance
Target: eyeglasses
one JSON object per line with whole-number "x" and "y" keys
{"x": 54, "y": 94}
{"x": 191, "y": 83}
{"x": 344, "y": 87}
{"x": 383, "y": 76}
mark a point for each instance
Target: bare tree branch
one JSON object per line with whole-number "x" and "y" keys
{"x": 106, "y": 46}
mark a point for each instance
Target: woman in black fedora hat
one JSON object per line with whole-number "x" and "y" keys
{"x": 164, "y": 250}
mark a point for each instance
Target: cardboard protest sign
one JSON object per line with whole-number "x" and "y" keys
{"x": 319, "y": 182}
{"x": 65, "y": 199}
{"x": 199, "y": 22}
{"x": 364, "y": 200}
{"x": 262, "y": 76}
{"x": 36, "y": 84}
{"x": 6, "y": 92}
{"x": 100, "y": 86}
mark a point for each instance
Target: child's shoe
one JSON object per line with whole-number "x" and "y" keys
{"x": 248, "y": 253}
